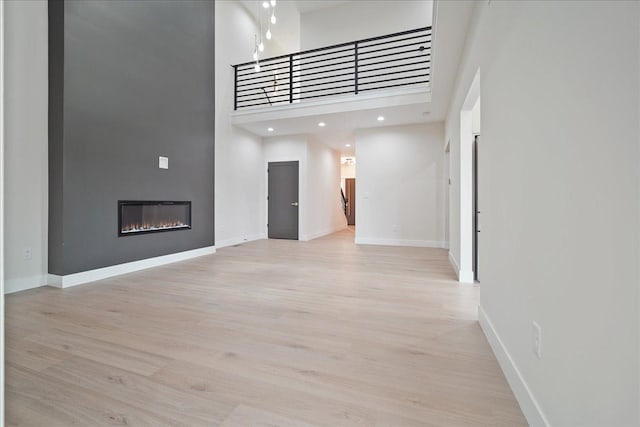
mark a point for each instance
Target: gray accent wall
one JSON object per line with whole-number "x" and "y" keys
{"x": 129, "y": 81}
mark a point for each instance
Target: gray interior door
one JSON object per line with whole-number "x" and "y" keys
{"x": 283, "y": 200}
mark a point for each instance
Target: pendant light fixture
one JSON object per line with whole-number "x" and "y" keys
{"x": 258, "y": 45}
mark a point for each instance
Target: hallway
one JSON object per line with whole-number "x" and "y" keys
{"x": 282, "y": 332}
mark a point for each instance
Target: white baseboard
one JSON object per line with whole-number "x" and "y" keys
{"x": 464, "y": 276}
{"x": 312, "y": 236}
{"x": 238, "y": 240}
{"x": 528, "y": 403}
{"x": 129, "y": 267}
{"x": 399, "y": 242}
{"x": 454, "y": 264}
{"x": 24, "y": 283}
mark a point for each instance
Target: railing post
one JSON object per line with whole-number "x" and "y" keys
{"x": 290, "y": 79}
{"x": 235, "y": 87}
{"x": 356, "y": 67}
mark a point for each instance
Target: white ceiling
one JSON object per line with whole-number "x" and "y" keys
{"x": 451, "y": 21}
{"x": 305, "y": 6}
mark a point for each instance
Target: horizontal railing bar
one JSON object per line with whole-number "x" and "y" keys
{"x": 329, "y": 76}
{"x": 246, "y": 88}
{"x": 408, "y": 64}
{"x": 392, "y": 80}
{"x": 343, "y": 44}
{"x": 301, "y": 58}
{"x": 284, "y": 81}
{"x": 263, "y": 70}
{"x": 259, "y": 88}
{"x": 304, "y": 64}
{"x": 390, "y": 60}
{"x": 361, "y": 52}
{"x": 304, "y": 73}
{"x": 319, "y": 96}
{"x": 390, "y": 54}
{"x": 401, "y": 33}
{"x": 271, "y": 97}
{"x": 388, "y": 74}
{"x": 266, "y": 78}
{"x": 253, "y": 105}
{"x": 397, "y": 85}
{"x": 266, "y": 62}
{"x": 303, "y": 84}
{"x": 364, "y": 46}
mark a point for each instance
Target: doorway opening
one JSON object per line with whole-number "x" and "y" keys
{"x": 348, "y": 189}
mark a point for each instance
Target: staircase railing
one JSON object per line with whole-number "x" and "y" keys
{"x": 344, "y": 203}
{"x": 393, "y": 60}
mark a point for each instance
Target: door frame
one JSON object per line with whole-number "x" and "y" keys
{"x": 301, "y": 196}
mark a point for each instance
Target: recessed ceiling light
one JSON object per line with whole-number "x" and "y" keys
{"x": 270, "y": 129}
{"x": 265, "y": 4}
{"x": 321, "y": 124}
{"x": 347, "y": 145}
{"x": 380, "y": 118}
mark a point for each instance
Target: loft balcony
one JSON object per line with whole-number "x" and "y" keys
{"x": 393, "y": 70}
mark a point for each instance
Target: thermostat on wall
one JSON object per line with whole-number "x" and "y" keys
{"x": 163, "y": 162}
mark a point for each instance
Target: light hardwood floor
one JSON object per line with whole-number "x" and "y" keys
{"x": 269, "y": 333}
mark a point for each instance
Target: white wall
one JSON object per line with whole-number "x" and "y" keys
{"x": 325, "y": 213}
{"x": 343, "y": 23}
{"x": 26, "y": 143}
{"x": 559, "y": 191}
{"x": 239, "y": 174}
{"x": 400, "y": 185}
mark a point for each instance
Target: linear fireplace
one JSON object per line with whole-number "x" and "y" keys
{"x": 142, "y": 216}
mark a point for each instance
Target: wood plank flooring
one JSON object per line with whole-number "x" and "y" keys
{"x": 268, "y": 333}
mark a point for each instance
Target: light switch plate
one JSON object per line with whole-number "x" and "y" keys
{"x": 163, "y": 162}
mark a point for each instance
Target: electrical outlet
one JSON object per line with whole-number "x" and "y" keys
{"x": 537, "y": 340}
{"x": 27, "y": 254}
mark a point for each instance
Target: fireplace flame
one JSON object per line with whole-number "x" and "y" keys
{"x": 148, "y": 226}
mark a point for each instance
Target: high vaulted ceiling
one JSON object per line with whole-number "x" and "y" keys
{"x": 450, "y": 25}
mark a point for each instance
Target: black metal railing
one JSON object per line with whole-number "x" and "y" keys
{"x": 343, "y": 202}
{"x": 394, "y": 60}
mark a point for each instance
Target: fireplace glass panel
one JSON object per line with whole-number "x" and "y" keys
{"x": 136, "y": 217}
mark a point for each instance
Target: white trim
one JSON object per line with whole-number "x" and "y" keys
{"x": 129, "y": 267}
{"x": 322, "y": 233}
{"x": 464, "y": 276}
{"x": 399, "y": 242}
{"x": 528, "y": 403}
{"x": 454, "y": 264}
{"x": 24, "y": 283}
{"x": 238, "y": 240}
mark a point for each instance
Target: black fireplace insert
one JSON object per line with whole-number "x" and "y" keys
{"x": 144, "y": 216}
